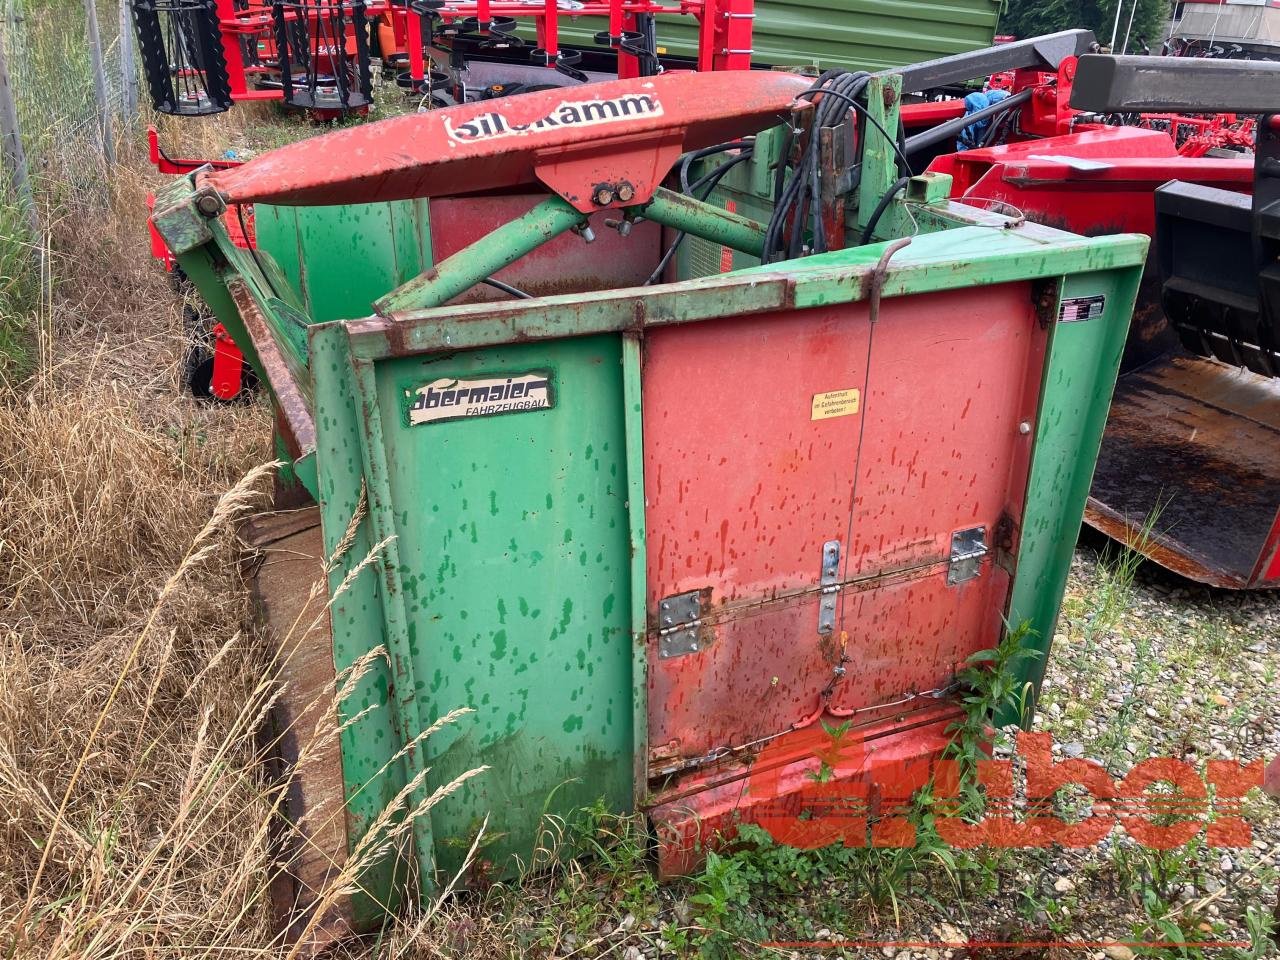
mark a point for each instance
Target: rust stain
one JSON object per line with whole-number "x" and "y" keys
{"x": 421, "y": 155}
{"x": 1189, "y": 471}
{"x": 290, "y": 403}
{"x": 286, "y": 551}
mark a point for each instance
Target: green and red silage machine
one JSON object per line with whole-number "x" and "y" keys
{"x": 654, "y": 531}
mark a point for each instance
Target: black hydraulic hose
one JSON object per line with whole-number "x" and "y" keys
{"x": 896, "y": 142}
{"x": 798, "y": 201}
{"x": 997, "y": 125}
{"x": 711, "y": 181}
{"x": 952, "y": 128}
{"x": 881, "y": 207}
{"x": 689, "y": 159}
{"x": 507, "y": 288}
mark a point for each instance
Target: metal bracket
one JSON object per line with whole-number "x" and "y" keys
{"x": 679, "y": 623}
{"x": 830, "y": 582}
{"x": 968, "y": 547}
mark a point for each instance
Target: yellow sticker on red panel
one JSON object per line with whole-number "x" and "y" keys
{"x": 837, "y": 403}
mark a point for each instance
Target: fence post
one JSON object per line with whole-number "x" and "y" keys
{"x": 11, "y": 147}
{"x": 128, "y": 67}
{"x": 99, "y": 81}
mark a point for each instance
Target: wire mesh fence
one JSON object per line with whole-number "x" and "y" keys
{"x": 66, "y": 136}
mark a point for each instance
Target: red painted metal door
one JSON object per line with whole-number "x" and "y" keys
{"x": 789, "y": 433}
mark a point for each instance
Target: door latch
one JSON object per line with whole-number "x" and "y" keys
{"x": 830, "y": 583}
{"x": 679, "y": 624}
{"x": 968, "y": 547}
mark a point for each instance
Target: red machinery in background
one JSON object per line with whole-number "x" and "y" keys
{"x": 1032, "y": 104}
{"x": 213, "y": 367}
{"x": 202, "y": 56}
{"x": 1189, "y": 473}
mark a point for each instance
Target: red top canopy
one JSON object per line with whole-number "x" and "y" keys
{"x": 615, "y": 135}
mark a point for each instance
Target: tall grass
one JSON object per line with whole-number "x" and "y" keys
{"x": 20, "y": 285}
{"x": 137, "y": 816}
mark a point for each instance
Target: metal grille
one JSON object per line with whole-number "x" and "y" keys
{"x": 704, "y": 257}
{"x": 324, "y": 54}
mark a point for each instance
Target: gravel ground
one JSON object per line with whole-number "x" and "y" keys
{"x": 1144, "y": 665}
{"x": 1167, "y": 668}
{"x": 1153, "y": 666}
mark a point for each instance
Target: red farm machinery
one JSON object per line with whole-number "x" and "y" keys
{"x": 1186, "y": 476}
{"x": 202, "y": 56}
{"x": 663, "y": 532}
{"x": 1189, "y": 473}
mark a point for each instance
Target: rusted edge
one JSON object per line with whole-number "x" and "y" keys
{"x": 875, "y": 279}
{"x": 312, "y": 851}
{"x": 300, "y": 435}
{"x": 739, "y": 766}
{"x": 1155, "y": 547}
{"x": 630, "y": 309}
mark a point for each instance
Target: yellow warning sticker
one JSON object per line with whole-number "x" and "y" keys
{"x": 837, "y": 403}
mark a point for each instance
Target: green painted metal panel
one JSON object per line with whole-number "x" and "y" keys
{"x": 855, "y": 34}
{"x": 963, "y": 256}
{"x": 1080, "y": 377}
{"x": 372, "y": 770}
{"x": 632, "y": 418}
{"x": 514, "y": 541}
{"x": 318, "y": 250}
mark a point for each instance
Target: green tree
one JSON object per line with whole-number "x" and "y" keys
{"x": 1029, "y": 18}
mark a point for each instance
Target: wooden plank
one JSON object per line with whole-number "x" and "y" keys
{"x": 289, "y": 590}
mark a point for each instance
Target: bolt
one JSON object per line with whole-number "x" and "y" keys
{"x": 603, "y": 196}
{"x": 209, "y": 203}
{"x": 693, "y": 647}
{"x": 588, "y": 234}
{"x": 1024, "y": 427}
{"x": 625, "y": 192}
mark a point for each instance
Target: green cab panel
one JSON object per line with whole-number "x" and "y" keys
{"x": 514, "y": 553}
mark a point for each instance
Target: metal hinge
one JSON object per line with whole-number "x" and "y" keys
{"x": 830, "y": 582}
{"x": 679, "y": 624}
{"x": 968, "y": 547}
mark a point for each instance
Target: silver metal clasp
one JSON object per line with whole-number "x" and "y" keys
{"x": 968, "y": 547}
{"x": 830, "y": 583}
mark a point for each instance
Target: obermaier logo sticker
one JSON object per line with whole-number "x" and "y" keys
{"x": 449, "y": 399}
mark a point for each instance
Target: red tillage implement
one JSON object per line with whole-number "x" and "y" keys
{"x": 202, "y": 56}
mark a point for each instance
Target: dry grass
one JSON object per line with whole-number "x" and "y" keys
{"x": 133, "y": 685}
{"x": 129, "y": 687}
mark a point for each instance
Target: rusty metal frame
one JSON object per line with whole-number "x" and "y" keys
{"x": 1028, "y": 253}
